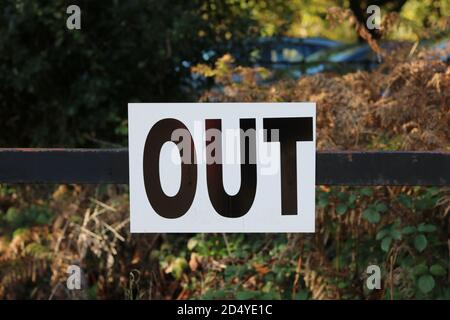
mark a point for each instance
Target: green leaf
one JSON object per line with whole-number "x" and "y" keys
{"x": 342, "y": 196}
{"x": 420, "y": 269}
{"x": 382, "y": 233}
{"x": 420, "y": 242}
{"x": 409, "y": 230}
{"x": 438, "y": 270}
{"x": 381, "y": 207}
{"x": 323, "y": 201}
{"x": 246, "y": 295}
{"x": 342, "y": 285}
{"x": 426, "y": 283}
{"x": 352, "y": 198}
{"x": 386, "y": 243}
{"x": 43, "y": 218}
{"x": 371, "y": 216}
{"x": 341, "y": 208}
{"x": 366, "y": 192}
{"x": 20, "y": 231}
{"x": 301, "y": 295}
{"x": 405, "y": 201}
{"x": 397, "y": 235}
{"x": 426, "y": 227}
{"x": 12, "y": 215}
{"x": 192, "y": 243}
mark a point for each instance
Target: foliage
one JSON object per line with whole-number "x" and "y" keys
{"x": 43, "y": 229}
{"x": 71, "y": 88}
{"x": 89, "y": 227}
{"x": 404, "y": 230}
{"x": 384, "y": 109}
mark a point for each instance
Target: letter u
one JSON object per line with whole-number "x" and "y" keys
{"x": 237, "y": 205}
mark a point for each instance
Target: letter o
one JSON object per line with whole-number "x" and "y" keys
{"x": 170, "y": 207}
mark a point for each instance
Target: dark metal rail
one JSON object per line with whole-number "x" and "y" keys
{"x": 333, "y": 168}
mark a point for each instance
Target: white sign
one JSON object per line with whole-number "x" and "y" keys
{"x": 222, "y": 167}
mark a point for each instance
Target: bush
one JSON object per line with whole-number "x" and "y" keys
{"x": 71, "y": 87}
{"x": 404, "y": 230}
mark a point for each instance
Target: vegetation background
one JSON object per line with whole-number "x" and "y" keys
{"x": 61, "y": 88}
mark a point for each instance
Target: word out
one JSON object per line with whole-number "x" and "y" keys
{"x": 289, "y": 132}
{"x": 215, "y": 195}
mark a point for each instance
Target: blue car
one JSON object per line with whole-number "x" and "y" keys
{"x": 280, "y": 52}
{"x": 349, "y": 58}
{"x": 284, "y": 56}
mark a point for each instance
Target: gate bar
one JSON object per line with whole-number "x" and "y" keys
{"x": 351, "y": 168}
